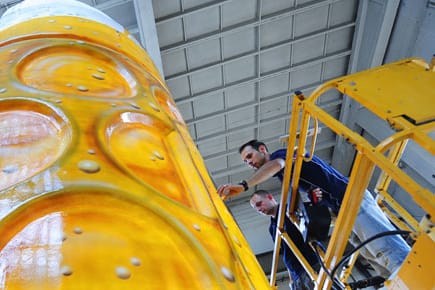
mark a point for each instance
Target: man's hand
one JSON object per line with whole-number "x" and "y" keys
{"x": 228, "y": 190}
{"x": 316, "y": 195}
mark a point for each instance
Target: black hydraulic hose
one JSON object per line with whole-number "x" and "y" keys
{"x": 335, "y": 282}
{"x": 316, "y": 251}
{"x": 372, "y": 281}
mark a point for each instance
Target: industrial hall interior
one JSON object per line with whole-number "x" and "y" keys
{"x": 143, "y": 144}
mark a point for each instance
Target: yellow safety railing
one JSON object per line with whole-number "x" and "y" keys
{"x": 386, "y": 92}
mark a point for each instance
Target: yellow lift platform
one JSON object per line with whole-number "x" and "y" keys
{"x": 402, "y": 94}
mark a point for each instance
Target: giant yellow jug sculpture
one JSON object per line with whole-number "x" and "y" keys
{"x": 101, "y": 186}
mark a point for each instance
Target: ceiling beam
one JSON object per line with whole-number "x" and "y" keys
{"x": 147, "y": 31}
{"x": 248, "y": 24}
{"x": 265, "y": 76}
{"x": 390, "y": 13}
{"x": 262, "y": 50}
{"x": 110, "y": 4}
{"x": 255, "y": 103}
{"x": 343, "y": 152}
{"x": 190, "y": 11}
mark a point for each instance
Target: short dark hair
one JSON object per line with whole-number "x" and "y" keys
{"x": 260, "y": 192}
{"x": 254, "y": 144}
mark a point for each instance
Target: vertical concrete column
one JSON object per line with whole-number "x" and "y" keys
{"x": 147, "y": 31}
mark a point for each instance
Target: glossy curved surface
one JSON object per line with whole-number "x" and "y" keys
{"x": 103, "y": 240}
{"x": 85, "y": 71}
{"x": 119, "y": 197}
{"x": 32, "y": 9}
{"x": 167, "y": 104}
{"x": 32, "y": 137}
{"x": 137, "y": 132}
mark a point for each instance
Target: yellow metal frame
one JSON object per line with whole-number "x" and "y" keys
{"x": 402, "y": 94}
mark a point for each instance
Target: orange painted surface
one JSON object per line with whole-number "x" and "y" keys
{"x": 101, "y": 186}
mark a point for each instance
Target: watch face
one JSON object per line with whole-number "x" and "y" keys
{"x": 244, "y": 183}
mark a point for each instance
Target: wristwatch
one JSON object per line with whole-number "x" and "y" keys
{"x": 244, "y": 184}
